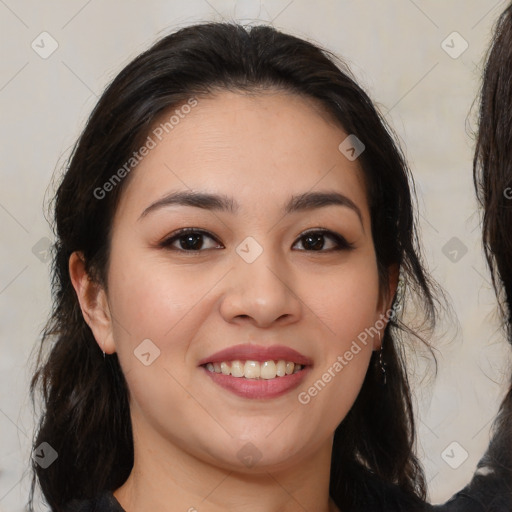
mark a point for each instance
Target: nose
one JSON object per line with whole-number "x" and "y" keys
{"x": 261, "y": 293}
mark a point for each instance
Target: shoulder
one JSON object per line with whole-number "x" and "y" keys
{"x": 104, "y": 502}
{"x": 489, "y": 492}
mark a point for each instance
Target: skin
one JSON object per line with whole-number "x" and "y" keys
{"x": 258, "y": 149}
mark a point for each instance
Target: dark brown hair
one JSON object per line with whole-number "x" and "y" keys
{"x": 86, "y": 416}
{"x": 492, "y": 174}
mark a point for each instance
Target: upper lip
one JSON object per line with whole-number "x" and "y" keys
{"x": 250, "y": 352}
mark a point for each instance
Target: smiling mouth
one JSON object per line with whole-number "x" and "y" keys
{"x": 255, "y": 370}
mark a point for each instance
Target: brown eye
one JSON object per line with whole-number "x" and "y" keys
{"x": 315, "y": 241}
{"x": 188, "y": 240}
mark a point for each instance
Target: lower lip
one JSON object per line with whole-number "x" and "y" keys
{"x": 259, "y": 388}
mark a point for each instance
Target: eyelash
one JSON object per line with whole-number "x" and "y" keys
{"x": 342, "y": 243}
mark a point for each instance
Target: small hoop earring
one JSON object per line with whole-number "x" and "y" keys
{"x": 382, "y": 363}
{"x": 397, "y": 304}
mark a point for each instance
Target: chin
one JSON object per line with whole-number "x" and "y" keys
{"x": 255, "y": 455}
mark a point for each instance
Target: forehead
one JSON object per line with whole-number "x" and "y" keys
{"x": 261, "y": 148}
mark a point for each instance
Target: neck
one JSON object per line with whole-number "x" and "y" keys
{"x": 164, "y": 477}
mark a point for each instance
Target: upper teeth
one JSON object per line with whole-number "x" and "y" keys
{"x": 255, "y": 369}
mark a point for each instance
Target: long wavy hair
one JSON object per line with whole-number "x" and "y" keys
{"x": 85, "y": 408}
{"x": 492, "y": 175}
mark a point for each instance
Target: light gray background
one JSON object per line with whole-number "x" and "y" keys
{"x": 395, "y": 48}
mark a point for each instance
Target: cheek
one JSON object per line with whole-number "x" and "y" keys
{"x": 151, "y": 297}
{"x": 346, "y": 301}
{"x": 153, "y": 300}
{"x": 347, "y": 311}
{"x": 151, "y": 303}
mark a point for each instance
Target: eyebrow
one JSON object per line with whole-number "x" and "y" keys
{"x": 221, "y": 202}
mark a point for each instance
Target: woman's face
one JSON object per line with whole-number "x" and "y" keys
{"x": 254, "y": 275}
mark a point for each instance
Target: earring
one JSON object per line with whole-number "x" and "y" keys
{"x": 397, "y": 305}
{"x": 382, "y": 363}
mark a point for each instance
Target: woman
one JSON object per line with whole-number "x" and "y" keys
{"x": 230, "y": 233}
{"x": 491, "y": 488}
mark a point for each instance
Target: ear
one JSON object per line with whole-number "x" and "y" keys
{"x": 385, "y": 303}
{"x": 93, "y": 302}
